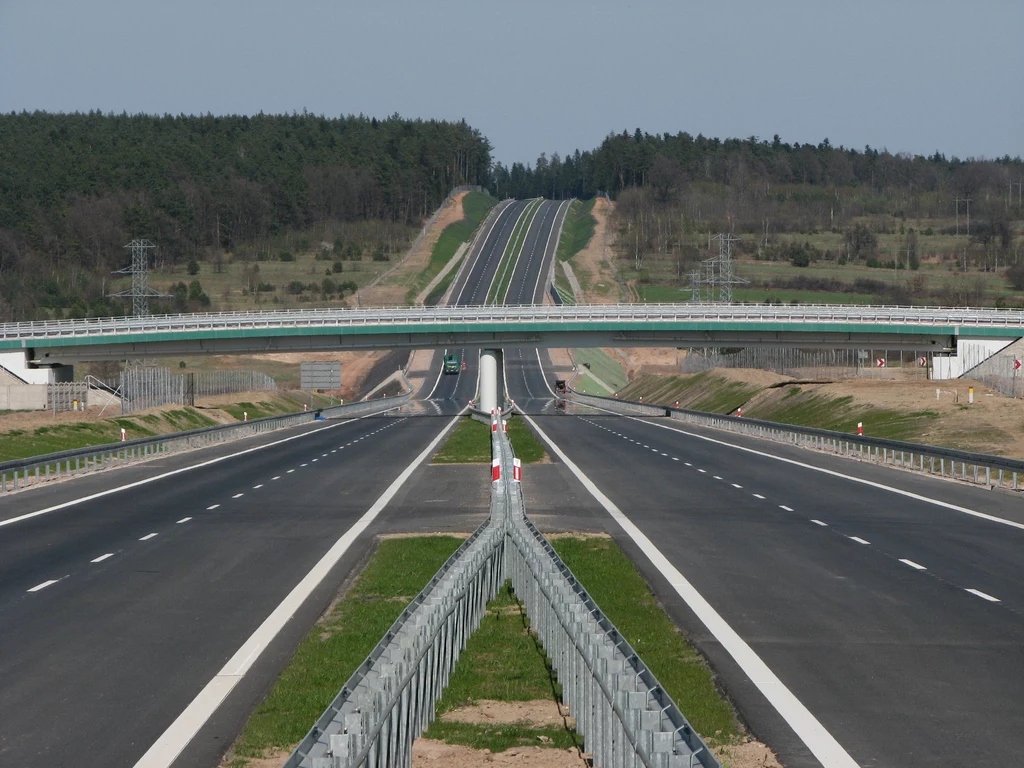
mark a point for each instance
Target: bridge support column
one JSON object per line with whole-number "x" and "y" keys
{"x": 490, "y": 365}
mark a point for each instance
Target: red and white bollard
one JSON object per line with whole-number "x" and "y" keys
{"x": 739, "y": 411}
{"x": 517, "y": 471}
{"x": 641, "y": 398}
{"x": 245, "y": 415}
{"x": 494, "y": 425}
{"x": 677, "y": 404}
{"x": 124, "y": 435}
{"x": 495, "y": 470}
{"x": 860, "y": 427}
{"x": 504, "y": 425}
{"x": 305, "y": 407}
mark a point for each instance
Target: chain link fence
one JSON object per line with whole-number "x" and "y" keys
{"x": 147, "y": 387}
{"x": 812, "y": 363}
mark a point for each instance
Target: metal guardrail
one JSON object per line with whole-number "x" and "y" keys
{"x": 952, "y": 317}
{"x": 621, "y": 711}
{"x": 20, "y": 473}
{"x": 981, "y": 468}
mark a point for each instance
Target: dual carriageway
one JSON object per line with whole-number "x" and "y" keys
{"x": 852, "y": 619}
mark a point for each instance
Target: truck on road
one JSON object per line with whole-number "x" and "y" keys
{"x": 451, "y": 364}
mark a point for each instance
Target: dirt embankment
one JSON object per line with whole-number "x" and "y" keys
{"x": 391, "y": 289}
{"x": 594, "y": 265}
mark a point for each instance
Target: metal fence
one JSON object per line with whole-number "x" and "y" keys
{"x": 621, "y": 711}
{"x": 812, "y": 363}
{"x": 23, "y": 473}
{"x": 1000, "y": 372}
{"x": 147, "y": 387}
{"x": 980, "y": 468}
{"x": 67, "y": 396}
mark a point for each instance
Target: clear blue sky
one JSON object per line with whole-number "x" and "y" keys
{"x": 908, "y": 75}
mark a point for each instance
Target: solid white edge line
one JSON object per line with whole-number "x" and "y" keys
{"x": 173, "y": 472}
{"x": 178, "y": 735}
{"x": 806, "y": 726}
{"x": 101, "y": 558}
{"x": 982, "y": 595}
{"x": 44, "y": 585}
{"x": 834, "y": 473}
{"x": 912, "y": 564}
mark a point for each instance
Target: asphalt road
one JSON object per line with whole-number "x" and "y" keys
{"x": 855, "y": 596}
{"x": 149, "y": 591}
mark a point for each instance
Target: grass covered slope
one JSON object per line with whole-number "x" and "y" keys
{"x": 475, "y": 207}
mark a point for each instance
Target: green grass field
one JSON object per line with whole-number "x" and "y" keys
{"x": 603, "y": 366}
{"x": 468, "y": 443}
{"x": 577, "y": 229}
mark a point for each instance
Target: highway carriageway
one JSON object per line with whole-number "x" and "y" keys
{"x": 916, "y": 328}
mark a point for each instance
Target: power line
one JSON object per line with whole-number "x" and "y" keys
{"x": 140, "y": 292}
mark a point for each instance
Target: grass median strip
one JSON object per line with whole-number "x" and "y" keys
{"x": 470, "y": 443}
{"x": 339, "y": 643}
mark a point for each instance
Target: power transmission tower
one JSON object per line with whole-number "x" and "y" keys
{"x": 717, "y": 274}
{"x": 140, "y": 292}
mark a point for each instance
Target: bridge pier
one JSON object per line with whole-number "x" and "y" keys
{"x": 488, "y": 385}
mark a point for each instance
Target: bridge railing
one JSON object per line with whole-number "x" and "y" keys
{"x": 622, "y": 712}
{"x": 979, "y": 468}
{"x": 19, "y": 474}
{"x": 389, "y": 316}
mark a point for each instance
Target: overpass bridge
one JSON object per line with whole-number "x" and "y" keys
{"x": 920, "y": 329}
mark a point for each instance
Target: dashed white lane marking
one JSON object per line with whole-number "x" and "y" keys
{"x": 912, "y": 564}
{"x": 44, "y": 585}
{"x": 277, "y": 477}
{"x": 334, "y": 450}
{"x": 664, "y": 454}
{"x": 177, "y": 736}
{"x": 818, "y": 522}
{"x": 183, "y": 520}
{"x": 101, "y": 558}
{"x": 834, "y": 473}
{"x": 313, "y": 460}
{"x": 758, "y": 496}
{"x": 983, "y": 596}
{"x": 303, "y": 465}
{"x": 145, "y": 481}
{"x": 212, "y": 507}
{"x": 819, "y": 741}
{"x": 736, "y": 485}
{"x": 322, "y": 455}
{"x": 238, "y": 496}
{"x": 716, "y": 477}
{"x": 148, "y": 536}
{"x": 783, "y": 506}
{"x": 674, "y": 459}
{"x": 687, "y": 463}
{"x": 257, "y": 486}
{"x": 702, "y": 471}
{"x": 289, "y": 471}
{"x": 858, "y": 539}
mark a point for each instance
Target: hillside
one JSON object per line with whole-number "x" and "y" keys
{"x": 216, "y": 191}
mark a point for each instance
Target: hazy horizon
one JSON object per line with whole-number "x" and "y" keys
{"x": 915, "y": 77}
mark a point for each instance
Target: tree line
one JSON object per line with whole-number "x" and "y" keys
{"x": 74, "y": 188}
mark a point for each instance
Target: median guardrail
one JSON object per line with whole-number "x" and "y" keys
{"x": 19, "y": 473}
{"x": 622, "y": 712}
{"x": 981, "y": 468}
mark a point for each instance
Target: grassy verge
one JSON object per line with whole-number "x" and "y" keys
{"x": 603, "y": 366}
{"x": 475, "y": 207}
{"x": 468, "y": 443}
{"x": 503, "y": 661}
{"x": 620, "y": 590}
{"x": 23, "y": 443}
{"x": 701, "y": 392}
{"x": 525, "y": 444}
{"x": 577, "y": 229}
{"x": 340, "y": 642}
{"x": 564, "y": 288}
{"x": 506, "y": 267}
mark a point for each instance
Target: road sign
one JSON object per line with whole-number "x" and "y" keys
{"x": 922, "y": 361}
{"x": 1016, "y": 365}
{"x": 879, "y": 362}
